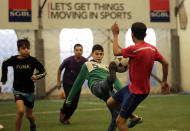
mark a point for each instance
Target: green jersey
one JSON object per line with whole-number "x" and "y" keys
{"x": 93, "y": 72}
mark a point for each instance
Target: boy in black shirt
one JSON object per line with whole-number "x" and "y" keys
{"x": 24, "y": 78}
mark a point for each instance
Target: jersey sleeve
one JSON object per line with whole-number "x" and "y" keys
{"x": 78, "y": 83}
{"x": 64, "y": 64}
{"x": 41, "y": 70}
{"x": 117, "y": 84}
{"x": 128, "y": 52}
{"x": 5, "y": 64}
{"x": 158, "y": 56}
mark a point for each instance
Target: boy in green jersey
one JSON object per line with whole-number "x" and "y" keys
{"x": 101, "y": 81}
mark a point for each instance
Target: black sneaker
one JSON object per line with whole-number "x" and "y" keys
{"x": 112, "y": 71}
{"x": 33, "y": 128}
{"x": 61, "y": 117}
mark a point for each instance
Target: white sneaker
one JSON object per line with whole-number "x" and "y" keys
{"x": 134, "y": 121}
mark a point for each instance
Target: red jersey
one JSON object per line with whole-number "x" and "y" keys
{"x": 141, "y": 61}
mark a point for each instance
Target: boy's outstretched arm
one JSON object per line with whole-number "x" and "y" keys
{"x": 115, "y": 32}
{"x": 165, "y": 86}
{"x": 42, "y": 72}
{"x": 58, "y": 79}
{"x": 77, "y": 84}
{"x": 5, "y": 65}
{"x": 117, "y": 84}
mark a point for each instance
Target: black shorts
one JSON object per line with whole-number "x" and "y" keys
{"x": 27, "y": 103}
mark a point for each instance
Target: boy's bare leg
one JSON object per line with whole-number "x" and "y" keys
{"x": 121, "y": 123}
{"x": 19, "y": 115}
{"x": 117, "y": 106}
{"x": 113, "y": 104}
{"x": 30, "y": 117}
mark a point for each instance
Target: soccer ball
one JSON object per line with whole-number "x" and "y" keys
{"x": 1, "y": 127}
{"x": 122, "y": 63}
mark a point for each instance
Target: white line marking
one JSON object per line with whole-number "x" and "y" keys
{"x": 78, "y": 110}
{"x": 54, "y": 112}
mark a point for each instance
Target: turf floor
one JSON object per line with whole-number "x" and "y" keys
{"x": 160, "y": 113}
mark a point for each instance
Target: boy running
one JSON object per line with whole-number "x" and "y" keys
{"x": 24, "y": 78}
{"x": 72, "y": 66}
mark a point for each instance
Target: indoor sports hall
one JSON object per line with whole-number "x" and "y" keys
{"x": 53, "y": 27}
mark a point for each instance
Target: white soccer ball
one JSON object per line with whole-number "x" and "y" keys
{"x": 122, "y": 63}
{"x": 1, "y": 127}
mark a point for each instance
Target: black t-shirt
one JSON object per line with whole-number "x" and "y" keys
{"x": 23, "y": 70}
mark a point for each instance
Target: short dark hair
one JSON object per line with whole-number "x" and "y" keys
{"x": 97, "y": 47}
{"x": 77, "y": 45}
{"x": 23, "y": 42}
{"x": 139, "y": 30}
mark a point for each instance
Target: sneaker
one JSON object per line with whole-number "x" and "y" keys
{"x": 63, "y": 121}
{"x": 61, "y": 117}
{"x": 134, "y": 121}
{"x": 66, "y": 122}
{"x": 112, "y": 71}
{"x": 33, "y": 128}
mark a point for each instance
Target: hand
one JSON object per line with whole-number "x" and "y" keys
{"x": 68, "y": 103}
{"x": 115, "y": 29}
{"x": 165, "y": 88}
{"x": 4, "y": 82}
{"x": 58, "y": 85}
{"x": 0, "y": 89}
{"x": 34, "y": 78}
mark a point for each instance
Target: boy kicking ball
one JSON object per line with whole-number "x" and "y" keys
{"x": 101, "y": 81}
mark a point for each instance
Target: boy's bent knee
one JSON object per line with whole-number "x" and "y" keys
{"x": 20, "y": 112}
{"x": 112, "y": 102}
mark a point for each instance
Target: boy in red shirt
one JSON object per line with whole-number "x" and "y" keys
{"x": 141, "y": 59}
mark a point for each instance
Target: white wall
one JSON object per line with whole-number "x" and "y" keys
{"x": 163, "y": 45}
{"x": 52, "y": 57}
{"x": 52, "y": 52}
{"x": 185, "y": 51}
